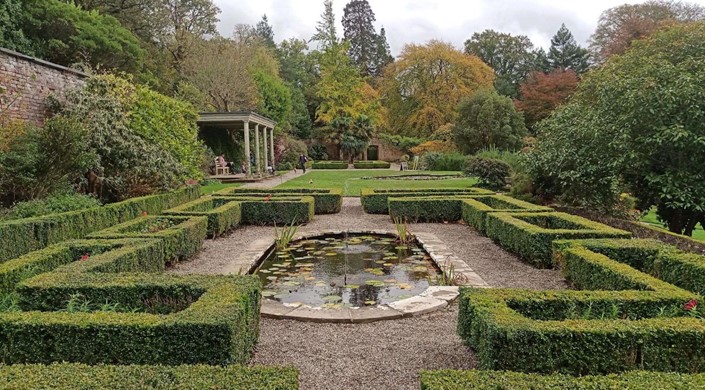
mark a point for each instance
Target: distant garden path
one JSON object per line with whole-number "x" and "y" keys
{"x": 387, "y": 354}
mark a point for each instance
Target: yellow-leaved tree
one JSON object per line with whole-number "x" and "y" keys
{"x": 422, "y": 89}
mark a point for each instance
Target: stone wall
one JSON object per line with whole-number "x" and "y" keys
{"x": 27, "y": 82}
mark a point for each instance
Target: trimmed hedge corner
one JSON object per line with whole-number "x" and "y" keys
{"x": 327, "y": 201}
{"x": 220, "y": 327}
{"x": 182, "y": 236}
{"x": 69, "y": 376}
{"x": 493, "y": 380}
{"x": 25, "y": 235}
{"x": 530, "y": 235}
{"x": 223, "y": 214}
{"x": 430, "y": 209}
{"x": 376, "y": 201}
{"x": 330, "y": 165}
{"x": 372, "y": 165}
{"x": 475, "y": 210}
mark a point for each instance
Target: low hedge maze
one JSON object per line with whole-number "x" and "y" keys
{"x": 327, "y": 201}
{"x": 376, "y": 201}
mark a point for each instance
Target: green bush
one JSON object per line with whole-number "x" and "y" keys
{"x": 182, "y": 236}
{"x": 278, "y": 210}
{"x": 124, "y": 255}
{"x": 328, "y": 201}
{"x": 530, "y": 235}
{"x": 318, "y": 152}
{"x": 220, "y": 327}
{"x": 376, "y": 201}
{"x": 490, "y": 172}
{"x": 25, "y": 235}
{"x": 429, "y": 209}
{"x": 52, "y": 205}
{"x": 435, "y": 161}
{"x": 372, "y": 165}
{"x": 223, "y": 214}
{"x": 493, "y": 380}
{"x": 79, "y": 376}
{"x": 475, "y": 210}
{"x": 330, "y": 165}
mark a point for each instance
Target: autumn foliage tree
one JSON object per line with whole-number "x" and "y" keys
{"x": 541, "y": 93}
{"x": 422, "y": 89}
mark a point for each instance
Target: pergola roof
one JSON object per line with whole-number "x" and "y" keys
{"x": 233, "y": 120}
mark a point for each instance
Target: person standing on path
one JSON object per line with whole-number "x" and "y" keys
{"x": 302, "y": 162}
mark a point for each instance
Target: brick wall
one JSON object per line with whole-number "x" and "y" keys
{"x": 28, "y": 81}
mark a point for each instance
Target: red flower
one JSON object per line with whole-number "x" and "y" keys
{"x": 691, "y": 305}
{"x": 191, "y": 182}
{"x": 144, "y": 214}
{"x": 85, "y": 257}
{"x": 268, "y": 198}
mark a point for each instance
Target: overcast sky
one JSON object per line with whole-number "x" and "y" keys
{"x": 417, "y": 21}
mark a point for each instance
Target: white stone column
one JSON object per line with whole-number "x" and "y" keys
{"x": 257, "y": 151}
{"x": 266, "y": 150}
{"x": 271, "y": 144}
{"x": 247, "y": 149}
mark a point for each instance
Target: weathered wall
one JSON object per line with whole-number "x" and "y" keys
{"x": 27, "y": 82}
{"x": 387, "y": 152}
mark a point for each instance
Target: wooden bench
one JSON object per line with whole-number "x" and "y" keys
{"x": 221, "y": 168}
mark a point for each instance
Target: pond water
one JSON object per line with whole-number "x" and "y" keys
{"x": 336, "y": 272}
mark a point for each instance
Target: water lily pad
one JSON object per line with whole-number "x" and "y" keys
{"x": 333, "y": 298}
{"x": 352, "y": 286}
{"x": 390, "y": 281}
{"x": 374, "y": 271}
{"x": 420, "y": 268}
{"x": 331, "y": 254}
{"x": 405, "y": 286}
{"x": 264, "y": 271}
{"x": 375, "y": 283}
{"x": 269, "y": 293}
{"x": 291, "y": 284}
{"x": 370, "y": 303}
{"x": 272, "y": 278}
{"x": 388, "y": 264}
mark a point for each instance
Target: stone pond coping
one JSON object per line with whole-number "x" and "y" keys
{"x": 432, "y": 299}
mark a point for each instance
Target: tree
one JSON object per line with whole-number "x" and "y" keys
{"x": 300, "y": 70}
{"x": 326, "y": 33}
{"x": 565, "y": 53}
{"x": 618, "y": 27}
{"x": 132, "y": 14}
{"x": 511, "y": 57}
{"x": 179, "y": 24}
{"x": 67, "y": 35}
{"x": 383, "y": 55}
{"x": 266, "y": 32}
{"x": 541, "y": 93}
{"x": 634, "y": 124}
{"x": 11, "y": 35}
{"x": 488, "y": 119}
{"x": 421, "y": 90}
{"x": 359, "y": 31}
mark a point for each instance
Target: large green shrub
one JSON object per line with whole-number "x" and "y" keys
{"x": 490, "y": 172}
{"x": 193, "y": 377}
{"x": 54, "y": 204}
{"x": 435, "y": 161}
{"x": 428, "y": 209}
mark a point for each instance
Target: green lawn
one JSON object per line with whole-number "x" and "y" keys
{"x": 652, "y": 219}
{"x": 211, "y": 188}
{"x": 352, "y": 181}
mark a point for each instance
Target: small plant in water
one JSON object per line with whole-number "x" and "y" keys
{"x": 402, "y": 231}
{"x": 448, "y": 277}
{"x": 283, "y": 237}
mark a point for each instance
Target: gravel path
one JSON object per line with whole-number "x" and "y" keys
{"x": 380, "y": 355}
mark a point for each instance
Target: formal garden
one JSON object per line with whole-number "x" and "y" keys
{"x": 184, "y": 209}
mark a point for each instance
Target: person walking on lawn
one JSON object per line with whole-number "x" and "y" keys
{"x": 302, "y": 162}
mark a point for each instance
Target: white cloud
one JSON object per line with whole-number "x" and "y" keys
{"x": 417, "y": 21}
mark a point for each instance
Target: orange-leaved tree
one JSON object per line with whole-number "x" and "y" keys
{"x": 541, "y": 93}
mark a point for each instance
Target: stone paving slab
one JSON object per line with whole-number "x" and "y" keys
{"x": 418, "y": 305}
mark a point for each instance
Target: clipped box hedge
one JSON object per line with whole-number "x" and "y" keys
{"x": 25, "y": 235}
{"x": 277, "y": 210}
{"x": 628, "y": 320}
{"x": 475, "y": 210}
{"x": 220, "y": 327}
{"x": 182, "y": 239}
{"x": 376, "y": 201}
{"x": 530, "y": 235}
{"x": 223, "y": 214}
{"x": 372, "y": 165}
{"x": 122, "y": 255}
{"x": 69, "y": 376}
{"x": 493, "y": 380}
{"x": 330, "y": 165}
{"x": 327, "y": 201}
{"x": 429, "y": 209}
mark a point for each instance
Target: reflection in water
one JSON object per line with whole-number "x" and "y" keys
{"x": 335, "y": 271}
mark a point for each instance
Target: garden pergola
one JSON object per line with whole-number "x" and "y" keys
{"x": 241, "y": 121}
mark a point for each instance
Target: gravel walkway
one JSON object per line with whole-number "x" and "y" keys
{"x": 380, "y": 355}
